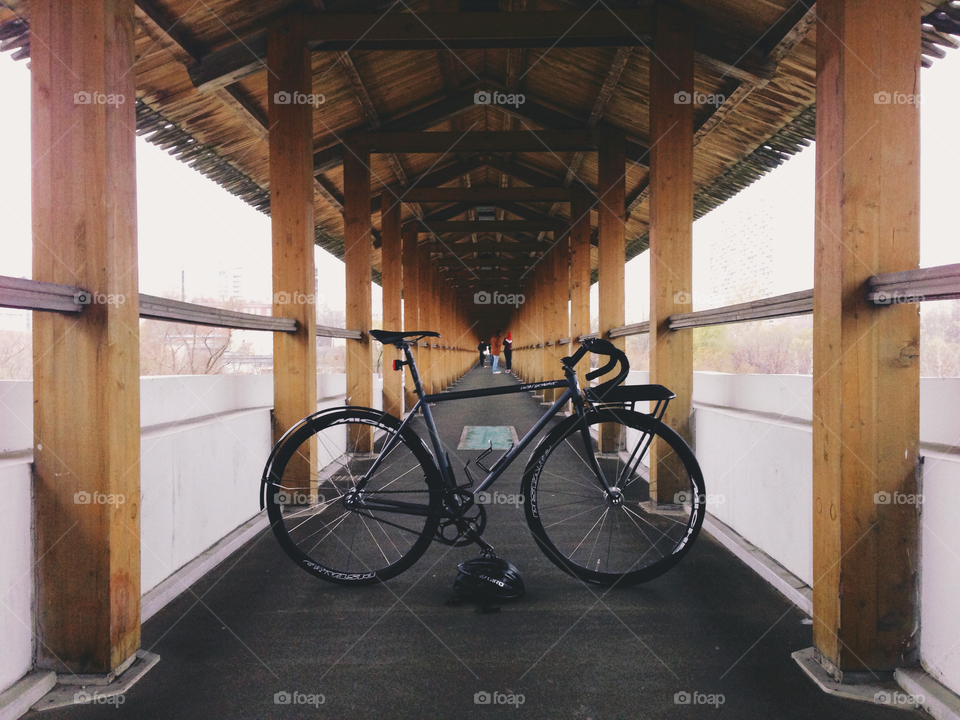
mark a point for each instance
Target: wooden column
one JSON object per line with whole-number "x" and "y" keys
{"x": 411, "y": 305}
{"x": 611, "y": 161}
{"x": 865, "y": 358}
{"x": 392, "y": 278}
{"x": 548, "y": 303}
{"x": 423, "y": 362}
{"x": 579, "y": 269}
{"x": 86, "y": 386}
{"x": 292, "y": 230}
{"x": 671, "y": 236}
{"x": 358, "y": 247}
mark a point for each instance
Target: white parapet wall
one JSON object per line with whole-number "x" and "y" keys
{"x": 205, "y": 438}
{"x": 204, "y": 441}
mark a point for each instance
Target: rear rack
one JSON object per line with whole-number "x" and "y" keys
{"x": 625, "y": 397}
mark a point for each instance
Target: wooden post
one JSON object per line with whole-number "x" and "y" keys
{"x": 611, "y": 163}
{"x": 580, "y": 268}
{"x": 358, "y": 247}
{"x": 411, "y": 305}
{"x": 86, "y": 385}
{"x": 865, "y": 358}
{"x": 392, "y": 280}
{"x": 423, "y": 362}
{"x": 292, "y": 230}
{"x": 671, "y": 237}
{"x": 548, "y": 303}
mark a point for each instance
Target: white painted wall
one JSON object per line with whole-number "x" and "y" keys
{"x": 204, "y": 441}
{"x": 940, "y": 531}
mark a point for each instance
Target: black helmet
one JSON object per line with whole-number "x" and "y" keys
{"x": 488, "y": 580}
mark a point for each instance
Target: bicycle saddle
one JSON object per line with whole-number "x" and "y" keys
{"x": 389, "y": 337}
{"x": 489, "y": 580}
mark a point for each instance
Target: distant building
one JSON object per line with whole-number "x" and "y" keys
{"x": 742, "y": 261}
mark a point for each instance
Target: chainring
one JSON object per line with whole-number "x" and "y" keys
{"x": 478, "y": 523}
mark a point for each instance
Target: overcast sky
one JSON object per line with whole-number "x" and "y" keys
{"x": 186, "y": 222}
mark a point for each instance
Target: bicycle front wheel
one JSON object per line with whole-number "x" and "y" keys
{"x": 613, "y": 539}
{"x": 334, "y": 521}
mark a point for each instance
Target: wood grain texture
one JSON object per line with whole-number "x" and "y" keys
{"x": 357, "y": 260}
{"x": 671, "y": 237}
{"x": 292, "y": 223}
{"x": 866, "y": 358}
{"x": 86, "y": 382}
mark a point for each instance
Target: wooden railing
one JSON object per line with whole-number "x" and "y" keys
{"x": 37, "y": 295}
{"x": 921, "y": 285}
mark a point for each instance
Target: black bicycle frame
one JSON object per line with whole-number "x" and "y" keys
{"x": 572, "y": 393}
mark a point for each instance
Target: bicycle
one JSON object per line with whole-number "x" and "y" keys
{"x": 378, "y": 496}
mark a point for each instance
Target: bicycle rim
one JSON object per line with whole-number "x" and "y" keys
{"x": 595, "y": 538}
{"x": 361, "y": 543}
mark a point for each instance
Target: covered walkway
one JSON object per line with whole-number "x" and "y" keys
{"x": 258, "y": 626}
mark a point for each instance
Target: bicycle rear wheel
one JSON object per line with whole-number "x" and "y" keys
{"x": 331, "y": 528}
{"x": 620, "y": 540}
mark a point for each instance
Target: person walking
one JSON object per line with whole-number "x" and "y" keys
{"x": 495, "y": 345}
{"x": 508, "y": 351}
{"x": 481, "y": 347}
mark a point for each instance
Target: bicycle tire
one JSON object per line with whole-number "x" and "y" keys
{"x": 588, "y": 536}
{"x": 318, "y": 531}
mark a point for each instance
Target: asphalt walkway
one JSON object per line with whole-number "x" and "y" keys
{"x": 258, "y": 631}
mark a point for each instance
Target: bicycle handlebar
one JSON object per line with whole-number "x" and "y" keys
{"x": 601, "y": 347}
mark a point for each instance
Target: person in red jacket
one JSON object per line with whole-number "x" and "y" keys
{"x": 495, "y": 346}
{"x": 508, "y": 351}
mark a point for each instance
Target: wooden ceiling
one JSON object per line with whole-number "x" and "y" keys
{"x": 202, "y": 95}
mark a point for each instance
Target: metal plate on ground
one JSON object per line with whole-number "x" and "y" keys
{"x": 479, "y": 437}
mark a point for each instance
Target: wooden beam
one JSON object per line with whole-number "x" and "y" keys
{"x": 866, "y": 384}
{"x": 671, "y": 237}
{"x": 417, "y": 121}
{"x": 470, "y": 262}
{"x": 292, "y": 229}
{"x": 373, "y": 118}
{"x": 390, "y": 263}
{"x": 450, "y": 142}
{"x": 86, "y": 371}
{"x": 485, "y": 195}
{"x": 448, "y": 31}
{"x": 487, "y": 247}
{"x": 358, "y": 249}
{"x": 487, "y": 30}
{"x": 489, "y": 226}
